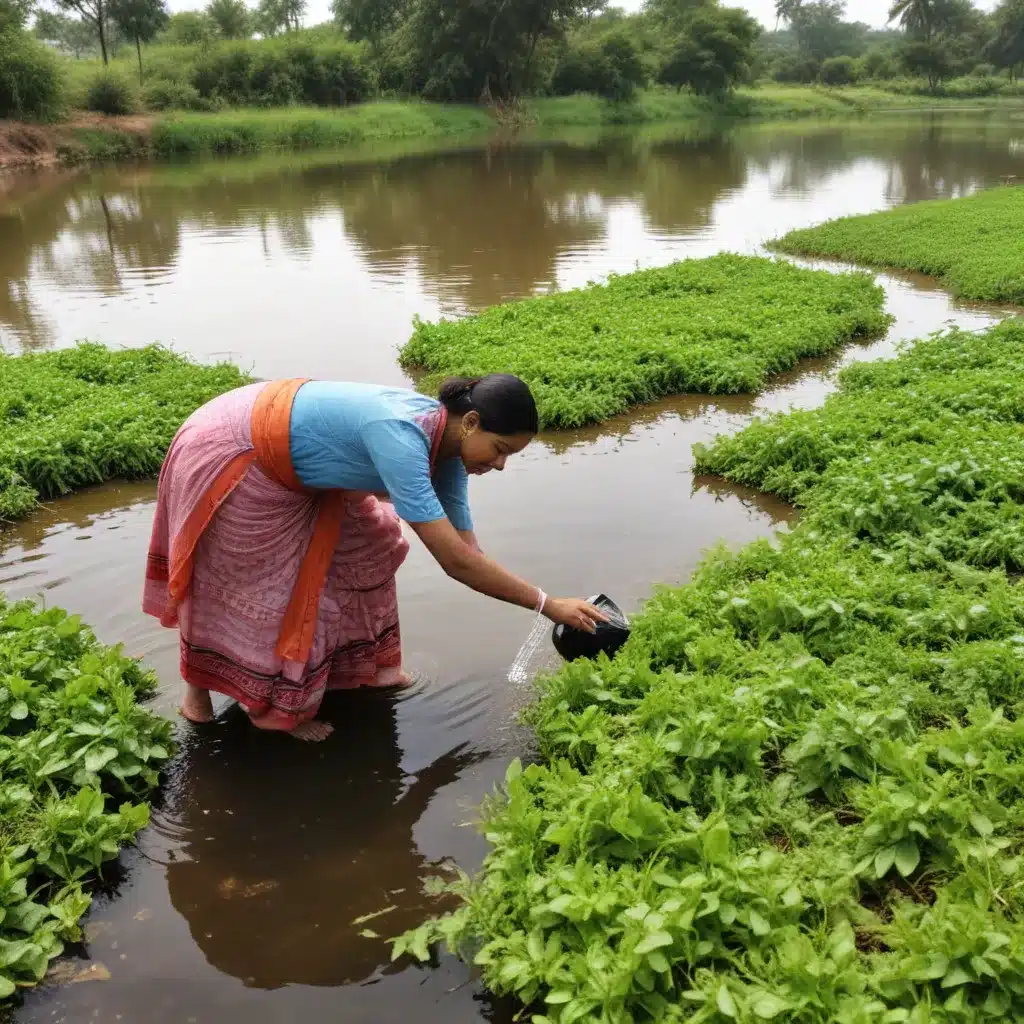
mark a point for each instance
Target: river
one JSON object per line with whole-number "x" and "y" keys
{"x": 242, "y": 901}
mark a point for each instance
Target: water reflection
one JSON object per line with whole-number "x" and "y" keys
{"x": 226, "y": 258}
{"x": 290, "y": 845}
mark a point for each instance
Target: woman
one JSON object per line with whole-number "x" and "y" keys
{"x": 277, "y": 536}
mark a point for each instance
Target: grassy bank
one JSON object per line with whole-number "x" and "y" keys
{"x": 796, "y": 794}
{"x": 78, "y": 756}
{"x": 233, "y": 131}
{"x": 975, "y": 246}
{"x": 719, "y": 325}
{"x": 86, "y": 415}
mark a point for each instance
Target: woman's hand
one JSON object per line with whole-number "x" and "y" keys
{"x": 570, "y": 611}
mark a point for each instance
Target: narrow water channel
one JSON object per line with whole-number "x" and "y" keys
{"x": 242, "y": 901}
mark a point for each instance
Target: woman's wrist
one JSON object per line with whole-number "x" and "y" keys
{"x": 542, "y": 600}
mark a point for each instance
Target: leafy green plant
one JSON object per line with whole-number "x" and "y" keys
{"x": 719, "y": 325}
{"x": 73, "y": 740}
{"x": 975, "y": 245}
{"x": 795, "y": 794}
{"x": 86, "y": 415}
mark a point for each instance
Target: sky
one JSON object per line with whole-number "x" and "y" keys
{"x": 873, "y": 12}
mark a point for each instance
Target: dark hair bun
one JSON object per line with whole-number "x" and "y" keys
{"x": 503, "y": 402}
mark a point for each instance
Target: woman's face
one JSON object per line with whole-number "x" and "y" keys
{"x": 483, "y": 451}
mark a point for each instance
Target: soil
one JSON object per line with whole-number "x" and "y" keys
{"x": 33, "y": 145}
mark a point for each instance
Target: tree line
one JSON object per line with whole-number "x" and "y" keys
{"x": 498, "y": 50}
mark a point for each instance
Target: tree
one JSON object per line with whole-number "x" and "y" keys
{"x": 1007, "y": 47}
{"x": 189, "y": 28}
{"x": 458, "y": 50}
{"x": 714, "y": 52}
{"x": 924, "y": 19}
{"x": 786, "y": 10}
{"x": 95, "y": 13}
{"x": 674, "y": 12}
{"x": 139, "y": 20}
{"x": 275, "y": 16}
{"x": 232, "y": 18}
{"x": 14, "y": 13}
{"x": 820, "y": 30}
{"x": 930, "y": 58}
{"x": 72, "y": 35}
{"x": 371, "y": 20}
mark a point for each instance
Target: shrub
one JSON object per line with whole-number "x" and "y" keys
{"x": 31, "y": 81}
{"x": 610, "y": 67}
{"x": 274, "y": 73}
{"x": 791, "y": 68}
{"x": 166, "y": 95}
{"x": 839, "y": 71}
{"x": 110, "y": 92}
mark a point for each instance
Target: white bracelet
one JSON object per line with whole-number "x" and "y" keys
{"x": 542, "y": 599}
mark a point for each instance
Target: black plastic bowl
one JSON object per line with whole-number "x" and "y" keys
{"x": 610, "y": 636}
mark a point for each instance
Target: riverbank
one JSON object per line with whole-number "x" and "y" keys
{"x": 88, "y": 138}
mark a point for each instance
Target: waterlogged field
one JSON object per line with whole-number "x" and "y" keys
{"x": 717, "y": 326}
{"x": 86, "y": 415}
{"x": 797, "y": 793}
{"x": 975, "y": 246}
{"x": 76, "y": 752}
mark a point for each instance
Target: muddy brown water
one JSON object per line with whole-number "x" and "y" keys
{"x": 241, "y": 901}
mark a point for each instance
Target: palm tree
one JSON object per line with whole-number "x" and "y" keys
{"x": 917, "y": 17}
{"x": 785, "y": 10}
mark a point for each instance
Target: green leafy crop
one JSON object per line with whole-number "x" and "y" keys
{"x": 78, "y": 756}
{"x": 716, "y": 326}
{"x": 975, "y": 246}
{"x": 86, "y": 415}
{"x": 797, "y": 793}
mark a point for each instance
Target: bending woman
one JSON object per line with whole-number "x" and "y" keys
{"x": 277, "y": 537}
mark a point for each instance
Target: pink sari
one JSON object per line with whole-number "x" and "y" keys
{"x": 279, "y": 593}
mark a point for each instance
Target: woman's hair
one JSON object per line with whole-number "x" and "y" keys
{"x": 503, "y": 402}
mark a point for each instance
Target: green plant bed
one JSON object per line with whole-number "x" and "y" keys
{"x": 86, "y": 415}
{"x": 78, "y": 757}
{"x": 975, "y": 246}
{"x": 719, "y": 325}
{"x": 796, "y": 794}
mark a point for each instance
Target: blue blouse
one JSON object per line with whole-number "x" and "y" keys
{"x": 363, "y": 437}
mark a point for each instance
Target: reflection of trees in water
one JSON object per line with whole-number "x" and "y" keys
{"x": 923, "y": 157}
{"x": 479, "y": 226}
{"x": 288, "y": 844}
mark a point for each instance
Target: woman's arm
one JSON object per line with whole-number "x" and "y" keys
{"x": 475, "y": 570}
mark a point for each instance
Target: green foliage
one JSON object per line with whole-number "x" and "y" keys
{"x": 796, "y": 793}
{"x": 282, "y": 72}
{"x": 14, "y": 14}
{"x": 254, "y": 131}
{"x": 31, "y": 82}
{"x": 716, "y": 326}
{"x": 839, "y": 71}
{"x": 85, "y": 415}
{"x": 111, "y": 92}
{"x": 189, "y": 28}
{"x": 73, "y": 740}
{"x": 713, "y": 53}
{"x": 609, "y": 67}
{"x": 71, "y": 35}
{"x": 139, "y": 21}
{"x": 232, "y": 18}
{"x": 975, "y": 246}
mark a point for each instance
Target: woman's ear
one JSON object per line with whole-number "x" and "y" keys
{"x": 470, "y": 422}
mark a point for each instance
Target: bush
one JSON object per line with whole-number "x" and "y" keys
{"x": 879, "y": 63}
{"x": 610, "y": 67}
{"x": 31, "y": 80}
{"x": 839, "y": 71}
{"x": 275, "y": 73}
{"x": 166, "y": 95}
{"x": 110, "y": 92}
{"x": 985, "y": 71}
{"x": 792, "y": 69}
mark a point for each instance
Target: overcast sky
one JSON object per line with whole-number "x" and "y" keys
{"x": 874, "y": 12}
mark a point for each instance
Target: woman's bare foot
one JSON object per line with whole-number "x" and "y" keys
{"x": 197, "y": 706}
{"x": 312, "y": 732}
{"x": 394, "y": 677}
